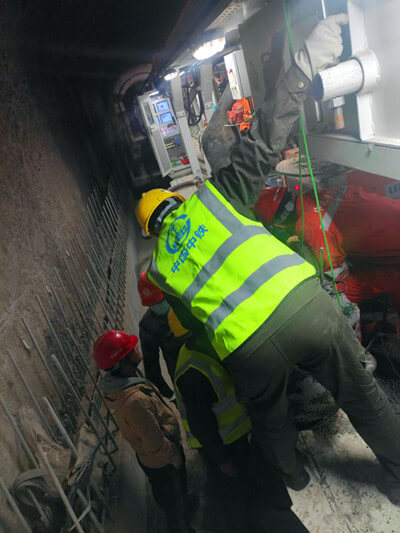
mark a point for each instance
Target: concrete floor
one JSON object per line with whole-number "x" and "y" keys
{"x": 343, "y": 495}
{"x": 344, "y": 491}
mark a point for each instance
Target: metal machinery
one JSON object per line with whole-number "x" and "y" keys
{"x": 169, "y": 134}
{"x": 353, "y": 116}
{"x": 237, "y": 75}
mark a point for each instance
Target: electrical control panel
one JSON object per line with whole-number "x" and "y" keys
{"x": 164, "y": 132}
{"x": 237, "y": 75}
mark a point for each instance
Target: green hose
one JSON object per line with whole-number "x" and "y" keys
{"x": 305, "y": 144}
{"x": 301, "y": 198}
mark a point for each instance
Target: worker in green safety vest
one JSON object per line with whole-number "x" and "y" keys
{"x": 259, "y": 302}
{"x": 219, "y": 427}
{"x": 232, "y": 419}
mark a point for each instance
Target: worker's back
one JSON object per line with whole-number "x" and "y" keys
{"x": 144, "y": 419}
{"x": 230, "y": 272}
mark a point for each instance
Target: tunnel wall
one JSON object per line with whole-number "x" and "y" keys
{"x": 41, "y": 197}
{"x": 48, "y": 162}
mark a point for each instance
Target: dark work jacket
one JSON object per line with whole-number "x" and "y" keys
{"x": 155, "y": 334}
{"x": 199, "y": 396}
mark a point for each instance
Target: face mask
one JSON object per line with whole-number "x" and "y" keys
{"x": 161, "y": 308}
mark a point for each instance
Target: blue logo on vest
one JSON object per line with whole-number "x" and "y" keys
{"x": 178, "y": 233}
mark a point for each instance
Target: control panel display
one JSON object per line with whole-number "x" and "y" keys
{"x": 163, "y": 106}
{"x": 166, "y": 117}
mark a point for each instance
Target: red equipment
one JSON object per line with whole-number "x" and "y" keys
{"x": 184, "y": 159}
{"x": 362, "y": 224}
{"x": 241, "y": 113}
{"x": 112, "y": 347}
{"x": 236, "y": 114}
{"x": 368, "y": 284}
{"x": 150, "y": 294}
{"x": 358, "y": 224}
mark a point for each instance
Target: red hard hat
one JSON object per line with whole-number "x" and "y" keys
{"x": 268, "y": 203}
{"x": 149, "y": 293}
{"x": 112, "y": 347}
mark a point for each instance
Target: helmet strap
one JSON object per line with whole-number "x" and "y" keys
{"x": 161, "y": 212}
{"x": 113, "y": 368}
{"x": 160, "y": 308}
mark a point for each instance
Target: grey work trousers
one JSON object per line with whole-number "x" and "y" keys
{"x": 317, "y": 339}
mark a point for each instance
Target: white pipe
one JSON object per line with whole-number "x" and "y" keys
{"x": 61, "y": 427}
{"x": 360, "y": 74}
{"x": 96, "y": 523}
{"x": 60, "y": 491}
{"x": 14, "y": 506}
{"x": 344, "y": 78}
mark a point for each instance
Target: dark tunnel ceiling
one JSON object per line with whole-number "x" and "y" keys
{"x": 95, "y": 38}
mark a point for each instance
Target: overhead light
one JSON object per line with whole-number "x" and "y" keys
{"x": 209, "y": 49}
{"x": 170, "y": 74}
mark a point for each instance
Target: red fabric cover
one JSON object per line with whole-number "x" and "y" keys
{"x": 364, "y": 225}
{"x": 368, "y": 284}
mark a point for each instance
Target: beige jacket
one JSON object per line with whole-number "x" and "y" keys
{"x": 146, "y": 421}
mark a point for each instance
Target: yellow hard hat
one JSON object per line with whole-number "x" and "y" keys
{"x": 175, "y": 325}
{"x": 148, "y": 204}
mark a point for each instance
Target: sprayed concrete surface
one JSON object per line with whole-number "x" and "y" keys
{"x": 343, "y": 495}
{"x": 40, "y": 200}
{"x": 344, "y": 491}
{"x": 47, "y": 162}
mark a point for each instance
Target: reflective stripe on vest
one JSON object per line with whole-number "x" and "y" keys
{"x": 228, "y": 270}
{"x": 233, "y": 421}
{"x": 333, "y": 207}
{"x": 224, "y": 432}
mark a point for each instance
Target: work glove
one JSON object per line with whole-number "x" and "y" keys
{"x": 228, "y": 469}
{"x": 323, "y": 46}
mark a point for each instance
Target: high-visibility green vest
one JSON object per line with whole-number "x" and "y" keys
{"x": 233, "y": 421}
{"x": 228, "y": 270}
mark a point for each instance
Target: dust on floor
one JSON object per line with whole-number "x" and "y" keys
{"x": 343, "y": 495}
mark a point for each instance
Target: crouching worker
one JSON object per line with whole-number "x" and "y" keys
{"x": 219, "y": 427}
{"x": 146, "y": 421}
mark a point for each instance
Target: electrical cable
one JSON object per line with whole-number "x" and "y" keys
{"x": 189, "y": 110}
{"x": 305, "y": 143}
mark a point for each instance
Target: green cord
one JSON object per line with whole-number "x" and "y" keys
{"x": 301, "y": 198}
{"x": 305, "y": 144}
{"x": 319, "y": 208}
